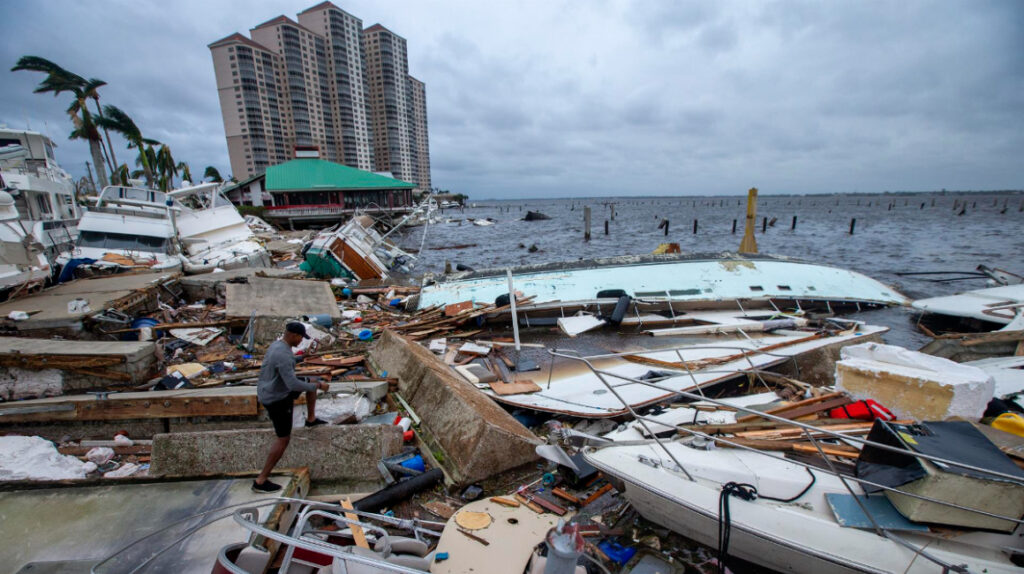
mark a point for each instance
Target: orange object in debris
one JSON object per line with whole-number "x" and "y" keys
{"x": 1010, "y": 422}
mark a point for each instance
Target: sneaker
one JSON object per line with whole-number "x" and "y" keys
{"x": 266, "y": 488}
{"x": 315, "y": 423}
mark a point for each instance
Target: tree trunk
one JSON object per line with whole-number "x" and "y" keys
{"x": 110, "y": 146}
{"x": 100, "y": 164}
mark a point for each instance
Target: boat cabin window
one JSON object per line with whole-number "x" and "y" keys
{"x": 756, "y": 288}
{"x": 43, "y": 203}
{"x": 104, "y": 240}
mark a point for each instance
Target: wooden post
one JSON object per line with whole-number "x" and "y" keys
{"x": 853, "y": 223}
{"x": 606, "y": 227}
{"x": 666, "y": 227}
{"x": 764, "y": 225}
{"x": 793, "y": 227}
{"x": 734, "y": 227}
{"x": 586, "y": 223}
{"x": 748, "y": 244}
{"x": 695, "y": 227}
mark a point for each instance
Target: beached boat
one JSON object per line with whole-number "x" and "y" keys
{"x": 354, "y": 250}
{"x": 808, "y": 514}
{"x": 801, "y": 534}
{"x": 44, "y": 194}
{"x": 23, "y": 263}
{"x": 193, "y": 228}
{"x": 671, "y": 281}
{"x": 994, "y": 307}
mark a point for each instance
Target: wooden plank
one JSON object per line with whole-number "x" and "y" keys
{"x": 598, "y": 494}
{"x": 357, "y": 531}
{"x": 457, "y": 308}
{"x": 518, "y": 387}
{"x": 157, "y": 407}
{"x": 829, "y": 449}
{"x": 778, "y": 411}
{"x": 505, "y": 501}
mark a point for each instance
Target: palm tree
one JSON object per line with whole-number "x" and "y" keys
{"x": 186, "y": 173}
{"x": 166, "y": 167}
{"x": 116, "y": 120}
{"x": 212, "y": 174}
{"x": 59, "y": 80}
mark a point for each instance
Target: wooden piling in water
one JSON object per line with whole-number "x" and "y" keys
{"x": 853, "y": 223}
{"x": 793, "y": 227}
{"x": 695, "y": 227}
{"x": 586, "y": 223}
{"x": 734, "y": 227}
{"x": 764, "y": 225}
{"x": 606, "y": 227}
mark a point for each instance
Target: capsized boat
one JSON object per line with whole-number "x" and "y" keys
{"x": 355, "y": 250}
{"x": 694, "y": 365}
{"x": 23, "y": 263}
{"x": 669, "y": 281}
{"x": 996, "y": 307}
{"x": 212, "y": 233}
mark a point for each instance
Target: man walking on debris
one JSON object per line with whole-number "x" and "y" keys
{"x": 277, "y": 390}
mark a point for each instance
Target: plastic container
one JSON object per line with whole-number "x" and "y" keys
{"x": 141, "y": 323}
{"x": 321, "y": 319}
{"x": 618, "y": 553}
{"x": 347, "y": 292}
{"x": 405, "y": 423}
{"x": 414, "y": 463}
{"x": 365, "y": 335}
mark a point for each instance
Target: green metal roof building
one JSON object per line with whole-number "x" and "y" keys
{"x": 312, "y": 189}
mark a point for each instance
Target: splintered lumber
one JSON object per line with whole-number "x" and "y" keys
{"x": 730, "y": 428}
{"x": 829, "y": 449}
{"x": 709, "y": 362}
{"x": 597, "y": 494}
{"x": 514, "y": 388}
{"x": 560, "y": 493}
{"x": 787, "y": 411}
{"x": 862, "y": 427}
{"x": 529, "y": 503}
{"x": 790, "y": 445}
{"x": 505, "y": 502}
{"x": 357, "y": 531}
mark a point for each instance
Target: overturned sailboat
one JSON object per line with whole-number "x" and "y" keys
{"x": 667, "y": 283}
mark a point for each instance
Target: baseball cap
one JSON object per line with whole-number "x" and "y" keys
{"x": 297, "y": 328}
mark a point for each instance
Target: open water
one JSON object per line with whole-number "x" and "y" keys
{"x": 894, "y": 233}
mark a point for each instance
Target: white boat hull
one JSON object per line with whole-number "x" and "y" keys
{"x": 802, "y": 537}
{"x": 996, "y": 305}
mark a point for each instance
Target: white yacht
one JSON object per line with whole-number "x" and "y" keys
{"x": 194, "y": 229}
{"x": 23, "y": 264}
{"x": 43, "y": 193}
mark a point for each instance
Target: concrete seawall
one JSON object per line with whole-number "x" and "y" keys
{"x": 478, "y": 437}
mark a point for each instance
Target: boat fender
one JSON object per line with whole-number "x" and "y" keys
{"x": 502, "y": 300}
{"x": 621, "y": 307}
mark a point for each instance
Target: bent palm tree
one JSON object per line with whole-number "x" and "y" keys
{"x": 186, "y": 173}
{"x": 59, "y": 80}
{"x": 116, "y": 120}
{"x": 212, "y": 174}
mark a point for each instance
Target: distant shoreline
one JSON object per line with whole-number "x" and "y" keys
{"x": 945, "y": 192}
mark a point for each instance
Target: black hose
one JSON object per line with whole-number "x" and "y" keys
{"x": 399, "y": 492}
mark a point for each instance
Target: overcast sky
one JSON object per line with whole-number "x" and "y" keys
{"x": 558, "y": 99}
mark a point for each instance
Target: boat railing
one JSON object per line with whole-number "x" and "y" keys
{"x": 811, "y": 433}
{"x": 247, "y": 513}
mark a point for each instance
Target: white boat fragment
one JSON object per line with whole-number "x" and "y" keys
{"x": 581, "y": 323}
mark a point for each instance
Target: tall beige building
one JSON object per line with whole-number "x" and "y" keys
{"x": 322, "y": 81}
{"x": 420, "y": 141}
{"x": 387, "y": 73}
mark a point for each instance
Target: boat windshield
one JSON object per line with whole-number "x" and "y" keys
{"x": 104, "y": 240}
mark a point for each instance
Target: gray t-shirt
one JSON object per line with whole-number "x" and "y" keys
{"x": 277, "y": 375}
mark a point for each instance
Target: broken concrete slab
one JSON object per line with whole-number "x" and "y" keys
{"x": 129, "y": 293}
{"x": 32, "y": 368}
{"x": 478, "y": 437}
{"x": 277, "y": 301}
{"x": 207, "y": 285}
{"x": 342, "y": 453}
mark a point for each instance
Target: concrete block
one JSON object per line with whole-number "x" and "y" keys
{"x": 277, "y": 301}
{"x": 373, "y": 390}
{"x": 478, "y": 437}
{"x": 914, "y": 385}
{"x": 206, "y": 285}
{"x": 332, "y": 453}
{"x": 138, "y": 362}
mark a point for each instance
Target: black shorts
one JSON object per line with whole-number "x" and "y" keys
{"x": 280, "y": 413}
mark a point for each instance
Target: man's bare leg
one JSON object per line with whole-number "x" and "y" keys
{"x": 276, "y": 452}
{"x": 310, "y": 406}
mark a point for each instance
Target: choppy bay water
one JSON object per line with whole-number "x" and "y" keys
{"x": 894, "y": 233}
